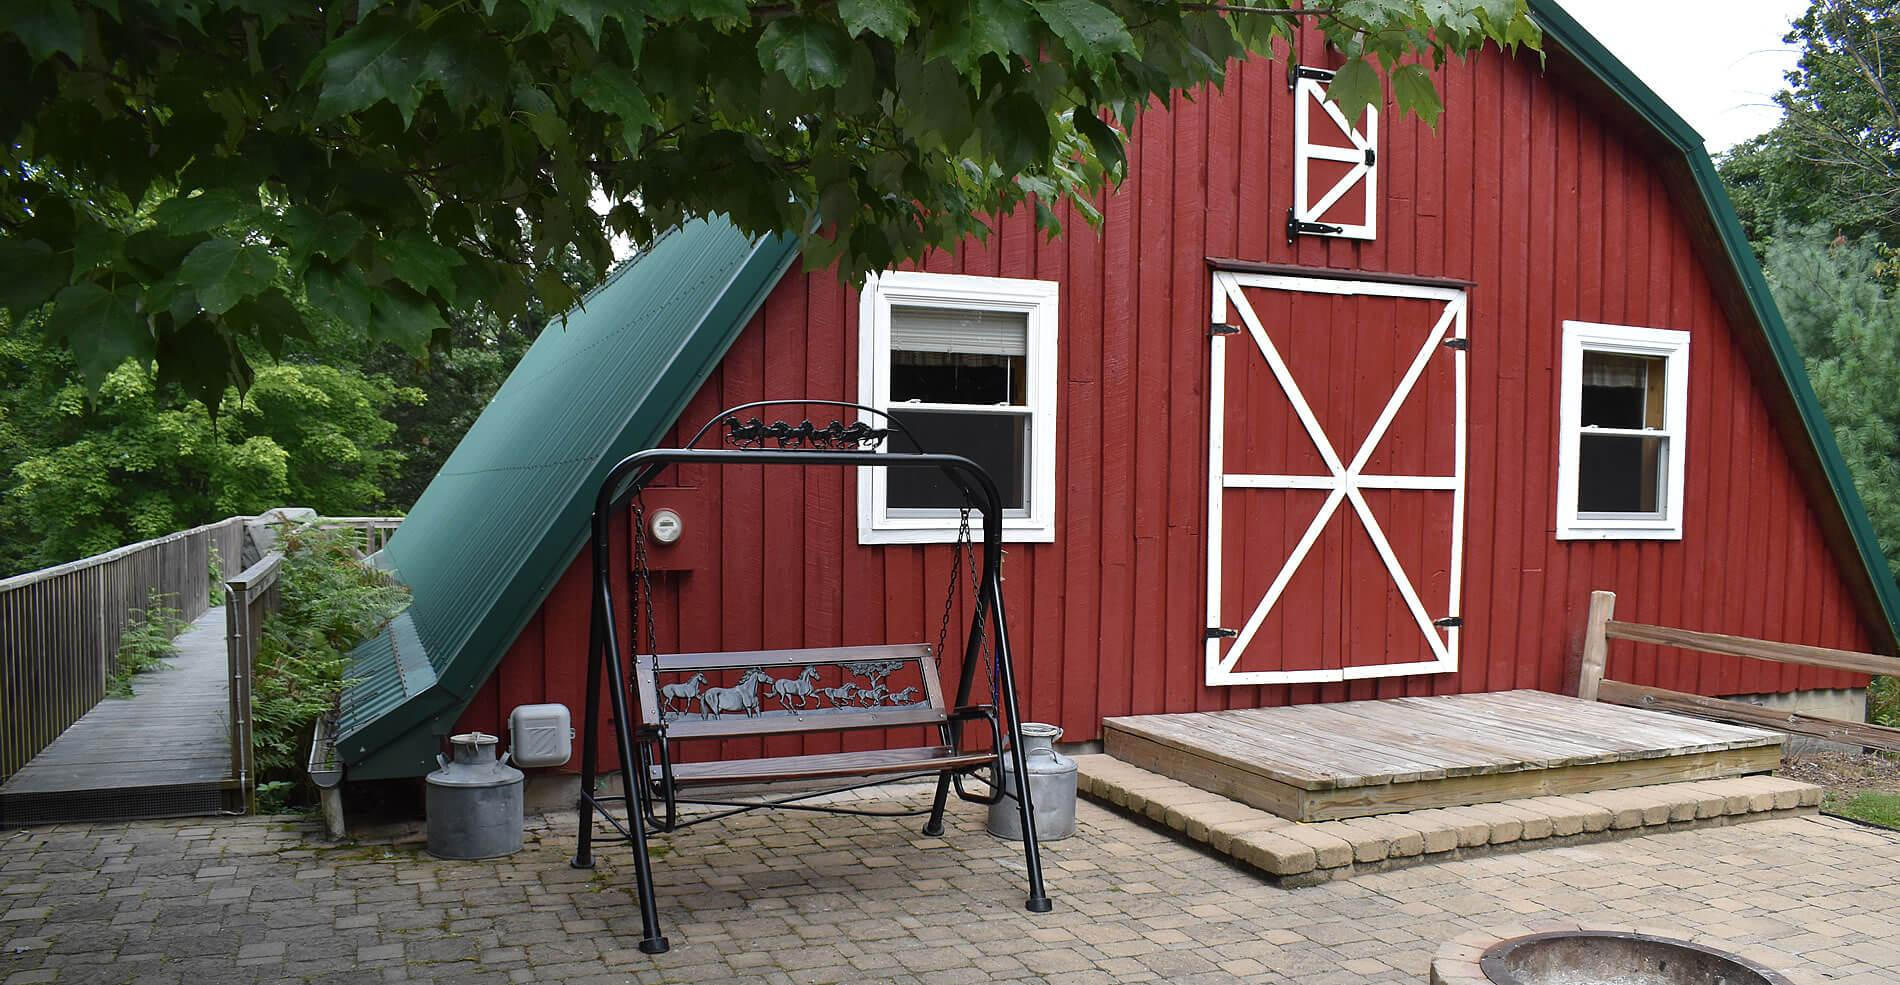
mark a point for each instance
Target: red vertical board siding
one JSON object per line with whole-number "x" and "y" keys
{"x": 1522, "y": 189}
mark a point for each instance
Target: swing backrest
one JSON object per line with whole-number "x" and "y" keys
{"x": 855, "y": 687}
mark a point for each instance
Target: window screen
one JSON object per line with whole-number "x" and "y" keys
{"x": 1622, "y": 471}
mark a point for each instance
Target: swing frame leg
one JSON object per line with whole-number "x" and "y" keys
{"x": 934, "y": 827}
{"x": 1038, "y": 901}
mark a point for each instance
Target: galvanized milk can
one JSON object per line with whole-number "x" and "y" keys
{"x": 474, "y": 802}
{"x": 1051, "y": 786}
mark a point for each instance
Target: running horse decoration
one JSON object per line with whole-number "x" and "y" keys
{"x": 796, "y": 696}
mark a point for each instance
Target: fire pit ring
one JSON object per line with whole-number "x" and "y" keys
{"x": 1572, "y": 955}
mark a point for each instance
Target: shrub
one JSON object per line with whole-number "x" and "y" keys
{"x": 330, "y": 602}
{"x": 145, "y": 643}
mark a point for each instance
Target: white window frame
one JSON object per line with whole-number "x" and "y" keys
{"x": 1036, "y": 299}
{"x": 1311, "y": 203}
{"x": 1626, "y": 340}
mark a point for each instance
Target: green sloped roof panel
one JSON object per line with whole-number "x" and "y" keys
{"x": 503, "y": 518}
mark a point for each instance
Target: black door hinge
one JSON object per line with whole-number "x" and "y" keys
{"x": 1296, "y": 228}
{"x": 1449, "y": 622}
{"x": 1459, "y": 344}
{"x": 1219, "y": 328}
{"x": 1372, "y": 157}
{"x": 1221, "y": 633}
{"x": 1295, "y": 72}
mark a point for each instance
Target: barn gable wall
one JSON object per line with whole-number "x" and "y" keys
{"x": 1551, "y": 211}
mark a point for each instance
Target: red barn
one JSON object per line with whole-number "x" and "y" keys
{"x": 1324, "y": 410}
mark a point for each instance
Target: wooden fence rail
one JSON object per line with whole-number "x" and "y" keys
{"x": 60, "y": 627}
{"x": 250, "y": 598}
{"x": 1602, "y": 627}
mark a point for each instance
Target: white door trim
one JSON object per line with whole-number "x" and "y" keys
{"x": 1343, "y": 481}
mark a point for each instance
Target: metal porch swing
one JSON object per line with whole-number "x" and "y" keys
{"x": 789, "y": 692}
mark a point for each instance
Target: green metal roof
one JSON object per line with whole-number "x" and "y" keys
{"x": 1569, "y": 35}
{"x": 504, "y": 517}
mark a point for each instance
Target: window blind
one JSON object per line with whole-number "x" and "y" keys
{"x": 994, "y": 333}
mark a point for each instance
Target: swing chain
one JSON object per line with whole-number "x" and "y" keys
{"x": 950, "y": 591}
{"x": 645, "y": 578}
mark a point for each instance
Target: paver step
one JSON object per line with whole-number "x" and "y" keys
{"x": 1298, "y": 853}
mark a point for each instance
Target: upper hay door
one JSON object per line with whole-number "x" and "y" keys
{"x": 1336, "y": 479}
{"x": 1335, "y": 164}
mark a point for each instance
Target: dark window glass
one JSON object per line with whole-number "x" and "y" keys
{"x": 994, "y": 441}
{"x": 1619, "y": 473}
{"x": 956, "y": 378}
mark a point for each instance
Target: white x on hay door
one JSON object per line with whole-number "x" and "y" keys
{"x": 1335, "y": 165}
{"x": 1336, "y": 466}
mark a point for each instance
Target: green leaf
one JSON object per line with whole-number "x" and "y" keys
{"x": 1103, "y": 138}
{"x": 47, "y": 28}
{"x": 406, "y": 318}
{"x": 223, "y": 272}
{"x": 1018, "y": 132}
{"x": 612, "y": 90}
{"x": 422, "y": 263}
{"x": 1412, "y": 89}
{"x": 309, "y": 232}
{"x": 34, "y": 273}
{"x": 204, "y": 212}
{"x": 811, "y": 53}
{"x": 96, "y": 244}
{"x": 1354, "y": 87}
{"x": 103, "y": 328}
{"x": 380, "y": 59}
{"x": 338, "y": 290}
{"x": 885, "y": 18}
{"x": 1089, "y": 30}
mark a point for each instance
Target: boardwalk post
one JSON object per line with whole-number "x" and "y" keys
{"x": 1596, "y": 646}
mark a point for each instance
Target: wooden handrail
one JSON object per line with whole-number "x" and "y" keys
{"x": 1742, "y": 646}
{"x": 1602, "y": 627}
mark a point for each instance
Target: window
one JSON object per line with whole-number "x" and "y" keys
{"x": 967, "y": 364}
{"x": 1620, "y": 463}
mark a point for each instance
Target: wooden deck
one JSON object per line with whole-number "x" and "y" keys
{"x": 165, "y": 752}
{"x": 1359, "y": 758}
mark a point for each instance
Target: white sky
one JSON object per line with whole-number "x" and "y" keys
{"x": 1716, "y": 62}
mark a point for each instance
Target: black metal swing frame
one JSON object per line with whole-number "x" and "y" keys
{"x": 643, "y": 750}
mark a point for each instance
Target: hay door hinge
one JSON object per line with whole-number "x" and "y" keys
{"x": 1296, "y": 227}
{"x": 1221, "y": 633}
{"x": 1295, "y": 72}
{"x": 1449, "y": 622}
{"x": 1221, "y": 328}
{"x": 1459, "y": 344}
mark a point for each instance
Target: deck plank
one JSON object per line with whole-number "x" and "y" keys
{"x": 172, "y": 733}
{"x": 1365, "y": 757}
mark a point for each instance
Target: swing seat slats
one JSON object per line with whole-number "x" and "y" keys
{"x": 879, "y": 762}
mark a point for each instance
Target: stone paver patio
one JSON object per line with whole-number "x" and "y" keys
{"x": 788, "y": 898}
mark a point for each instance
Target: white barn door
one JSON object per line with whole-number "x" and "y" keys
{"x": 1336, "y": 473}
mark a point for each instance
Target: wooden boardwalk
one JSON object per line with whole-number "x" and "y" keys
{"x": 1359, "y": 758}
{"x": 165, "y": 752}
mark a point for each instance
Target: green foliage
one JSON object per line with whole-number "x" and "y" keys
{"x": 1881, "y": 809}
{"x": 1883, "y": 701}
{"x": 144, "y": 643}
{"x": 1834, "y": 159}
{"x": 92, "y": 471}
{"x": 1845, "y": 319}
{"x": 197, "y": 181}
{"x": 331, "y": 601}
{"x": 214, "y": 577}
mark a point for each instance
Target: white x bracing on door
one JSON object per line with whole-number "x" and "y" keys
{"x": 1345, "y": 477}
{"x": 1319, "y": 187}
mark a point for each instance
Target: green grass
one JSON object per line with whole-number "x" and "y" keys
{"x": 1881, "y": 809}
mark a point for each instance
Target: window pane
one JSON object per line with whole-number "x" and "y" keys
{"x": 1622, "y": 391}
{"x": 1620, "y": 473}
{"x": 956, "y": 378}
{"x": 994, "y": 441}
